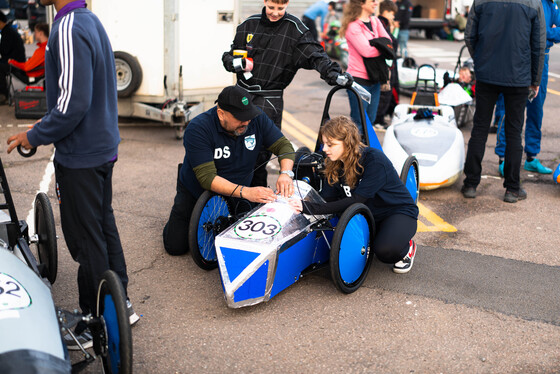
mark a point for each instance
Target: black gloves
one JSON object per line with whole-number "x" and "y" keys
{"x": 334, "y": 78}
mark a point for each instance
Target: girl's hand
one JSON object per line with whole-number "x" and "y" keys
{"x": 296, "y": 205}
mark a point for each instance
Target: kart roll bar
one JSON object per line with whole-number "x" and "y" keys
{"x": 368, "y": 135}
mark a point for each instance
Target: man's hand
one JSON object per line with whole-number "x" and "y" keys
{"x": 285, "y": 185}
{"x": 259, "y": 194}
{"x": 18, "y": 139}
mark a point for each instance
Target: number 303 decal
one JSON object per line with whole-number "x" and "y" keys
{"x": 258, "y": 227}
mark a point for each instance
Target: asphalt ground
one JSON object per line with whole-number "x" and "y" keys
{"x": 481, "y": 297}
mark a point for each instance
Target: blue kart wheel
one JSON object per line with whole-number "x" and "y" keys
{"x": 112, "y": 341}
{"x": 211, "y": 215}
{"x": 410, "y": 176}
{"x": 351, "y": 256}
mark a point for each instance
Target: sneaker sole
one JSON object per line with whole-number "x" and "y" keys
{"x": 403, "y": 271}
{"x": 87, "y": 345}
{"x": 133, "y": 319}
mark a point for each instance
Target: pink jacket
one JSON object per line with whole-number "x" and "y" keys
{"x": 358, "y": 37}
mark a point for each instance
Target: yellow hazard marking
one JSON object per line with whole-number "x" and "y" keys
{"x": 298, "y": 131}
{"x": 435, "y": 222}
{"x": 428, "y": 220}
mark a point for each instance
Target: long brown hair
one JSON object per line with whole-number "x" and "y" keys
{"x": 352, "y": 11}
{"x": 343, "y": 129}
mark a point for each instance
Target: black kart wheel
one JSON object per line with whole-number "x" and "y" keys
{"x": 26, "y": 152}
{"x": 410, "y": 176}
{"x": 129, "y": 74}
{"x": 46, "y": 236}
{"x": 112, "y": 336}
{"x": 211, "y": 215}
{"x": 351, "y": 255}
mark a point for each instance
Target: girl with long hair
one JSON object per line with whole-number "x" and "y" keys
{"x": 359, "y": 26}
{"x": 355, "y": 173}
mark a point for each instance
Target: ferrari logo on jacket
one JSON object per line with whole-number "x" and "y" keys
{"x": 249, "y": 38}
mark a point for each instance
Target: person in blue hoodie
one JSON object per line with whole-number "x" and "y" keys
{"x": 533, "y": 123}
{"x": 82, "y": 122}
{"x": 321, "y": 8}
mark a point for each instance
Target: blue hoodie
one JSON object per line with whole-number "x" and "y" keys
{"x": 82, "y": 116}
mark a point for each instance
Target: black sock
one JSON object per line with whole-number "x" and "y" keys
{"x": 530, "y": 158}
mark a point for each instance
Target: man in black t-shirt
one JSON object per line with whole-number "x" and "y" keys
{"x": 221, "y": 150}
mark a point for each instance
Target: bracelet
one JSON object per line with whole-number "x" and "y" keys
{"x": 241, "y": 192}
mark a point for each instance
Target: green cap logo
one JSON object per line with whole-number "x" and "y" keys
{"x": 245, "y": 101}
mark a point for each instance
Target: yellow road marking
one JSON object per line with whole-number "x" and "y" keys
{"x": 428, "y": 220}
{"x": 298, "y": 133}
{"x": 303, "y": 128}
{"x": 553, "y": 91}
{"x": 437, "y": 223}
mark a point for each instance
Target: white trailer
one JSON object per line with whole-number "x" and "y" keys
{"x": 168, "y": 55}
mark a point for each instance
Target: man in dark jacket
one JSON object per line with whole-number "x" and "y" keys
{"x": 507, "y": 42}
{"x": 277, "y": 44}
{"x": 82, "y": 123}
{"x": 11, "y": 47}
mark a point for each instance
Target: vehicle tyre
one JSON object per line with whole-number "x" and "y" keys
{"x": 26, "y": 152}
{"x": 46, "y": 235}
{"x": 410, "y": 176}
{"x": 211, "y": 215}
{"x": 461, "y": 115}
{"x": 112, "y": 337}
{"x": 351, "y": 254}
{"x": 129, "y": 73}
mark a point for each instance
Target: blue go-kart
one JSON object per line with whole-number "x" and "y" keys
{"x": 262, "y": 252}
{"x": 32, "y": 326}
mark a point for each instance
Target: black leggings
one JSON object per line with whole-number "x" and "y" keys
{"x": 392, "y": 237}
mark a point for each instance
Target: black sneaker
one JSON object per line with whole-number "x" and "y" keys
{"x": 404, "y": 265}
{"x": 513, "y": 197}
{"x": 132, "y": 317}
{"x": 85, "y": 340}
{"x": 468, "y": 192}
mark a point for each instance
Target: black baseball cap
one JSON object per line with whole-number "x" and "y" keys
{"x": 238, "y": 102}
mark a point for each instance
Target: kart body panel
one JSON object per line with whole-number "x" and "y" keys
{"x": 267, "y": 250}
{"x": 28, "y": 317}
{"x": 436, "y": 142}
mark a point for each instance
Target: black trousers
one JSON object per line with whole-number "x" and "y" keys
{"x": 176, "y": 230}
{"x": 515, "y": 102}
{"x": 311, "y": 26}
{"x": 392, "y": 237}
{"x": 272, "y": 106}
{"x": 89, "y": 227}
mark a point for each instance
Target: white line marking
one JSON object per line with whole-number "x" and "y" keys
{"x": 43, "y": 187}
{"x": 554, "y": 75}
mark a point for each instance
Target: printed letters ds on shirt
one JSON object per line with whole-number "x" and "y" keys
{"x": 219, "y": 153}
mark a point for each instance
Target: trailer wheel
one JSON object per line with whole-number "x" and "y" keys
{"x": 129, "y": 73}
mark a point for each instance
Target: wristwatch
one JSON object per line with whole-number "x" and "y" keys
{"x": 288, "y": 172}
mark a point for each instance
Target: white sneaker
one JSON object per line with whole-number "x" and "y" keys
{"x": 85, "y": 340}
{"x": 404, "y": 265}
